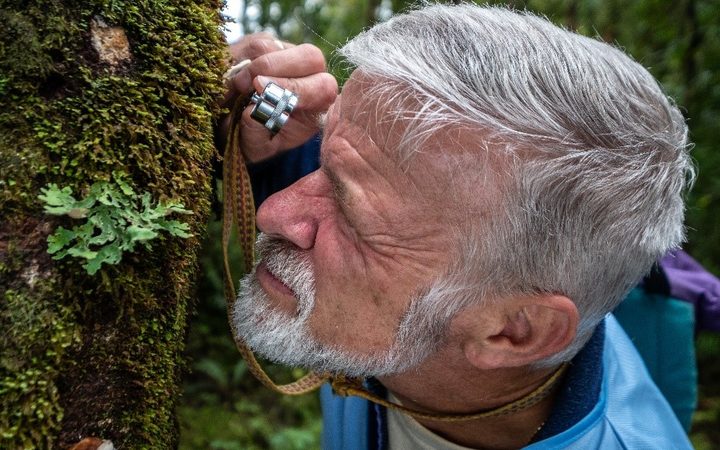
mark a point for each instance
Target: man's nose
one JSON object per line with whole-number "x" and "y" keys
{"x": 294, "y": 213}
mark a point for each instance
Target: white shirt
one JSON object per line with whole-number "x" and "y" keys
{"x": 406, "y": 433}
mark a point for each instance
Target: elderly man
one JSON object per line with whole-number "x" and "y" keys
{"x": 490, "y": 188}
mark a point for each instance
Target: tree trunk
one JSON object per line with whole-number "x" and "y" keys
{"x": 88, "y": 89}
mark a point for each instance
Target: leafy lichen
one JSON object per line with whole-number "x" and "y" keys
{"x": 116, "y": 219}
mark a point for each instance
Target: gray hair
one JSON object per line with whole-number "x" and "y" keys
{"x": 594, "y": 155}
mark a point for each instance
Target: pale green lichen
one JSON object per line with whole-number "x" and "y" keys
{"x": 115, "y": 220}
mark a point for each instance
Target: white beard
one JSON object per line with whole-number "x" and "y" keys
{"x": 287, "y": 339}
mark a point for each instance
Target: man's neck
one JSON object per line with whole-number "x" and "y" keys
{"x": 441, "y": 386}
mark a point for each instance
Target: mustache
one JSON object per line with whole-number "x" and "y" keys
{"x": 289, "y": 264}
{"x": 267, "y": 245}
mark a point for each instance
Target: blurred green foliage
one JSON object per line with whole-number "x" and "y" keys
{"x": 705, "y": 432}
{"x": 679, "y": 42}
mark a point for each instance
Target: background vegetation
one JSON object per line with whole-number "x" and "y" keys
{"x": 223, "y": 408}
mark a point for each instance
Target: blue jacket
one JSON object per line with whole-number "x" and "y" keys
{"x": 607, "y": 401}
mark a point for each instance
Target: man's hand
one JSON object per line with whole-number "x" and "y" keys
{"x": 300, "y": 69}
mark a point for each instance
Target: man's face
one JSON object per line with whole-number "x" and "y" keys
{"x": 346, "y": 251}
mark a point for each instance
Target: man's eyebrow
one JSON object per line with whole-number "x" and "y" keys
{"x": 339, "y": 190}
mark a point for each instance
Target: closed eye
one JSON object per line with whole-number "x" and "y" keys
{"x": 339, "y": 191}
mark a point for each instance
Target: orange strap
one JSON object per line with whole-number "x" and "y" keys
{"x": 239, "y": 208}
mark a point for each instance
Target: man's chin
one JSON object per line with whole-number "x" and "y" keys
{"x": 284, "y": 340}
{"x": 301, "y": 351}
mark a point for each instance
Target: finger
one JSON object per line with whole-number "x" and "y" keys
{"x": 255, "y": 45}
{"x": 293, "y": 62}
{"x": 239, "y": 84}
{"x": 315, "y": 92}
{"x": 258, "y": 143}
{"x": 258, "y": 45}
{"x": 256, "y": 48}
{"x": 256, "y": 140}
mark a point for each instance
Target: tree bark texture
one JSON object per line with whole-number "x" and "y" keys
{"x": 88, "y": 88}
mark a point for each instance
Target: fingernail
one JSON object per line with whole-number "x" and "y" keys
{"x": 263, "y": 80}
{"x": 234, "y": 70}
{"x": 280, "y": 44}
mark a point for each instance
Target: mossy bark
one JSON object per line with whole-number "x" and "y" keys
{"x": 88, "y": 88}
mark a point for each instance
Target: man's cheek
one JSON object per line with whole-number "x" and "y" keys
{"x": 352, "y": 330}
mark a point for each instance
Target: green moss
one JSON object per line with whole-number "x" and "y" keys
{"x": 31, "y": 413}
{"x": 100, "y": 355}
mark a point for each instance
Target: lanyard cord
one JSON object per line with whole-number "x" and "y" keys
{"x": 239, "y": 208}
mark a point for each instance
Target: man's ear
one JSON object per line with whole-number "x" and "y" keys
{"x": 525, "y": 330}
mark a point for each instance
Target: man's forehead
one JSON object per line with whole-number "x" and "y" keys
{"x": 455, "y": 158}
{"x": 386, "y": 112}
{"x": 360, "y": 105}
{"x": 347, "y": 134}
{"x": 373, "y": 109}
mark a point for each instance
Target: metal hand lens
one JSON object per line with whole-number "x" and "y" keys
{"x": 273, "y": 107}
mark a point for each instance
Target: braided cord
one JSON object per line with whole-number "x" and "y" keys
{"x": 239, "y": 208}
